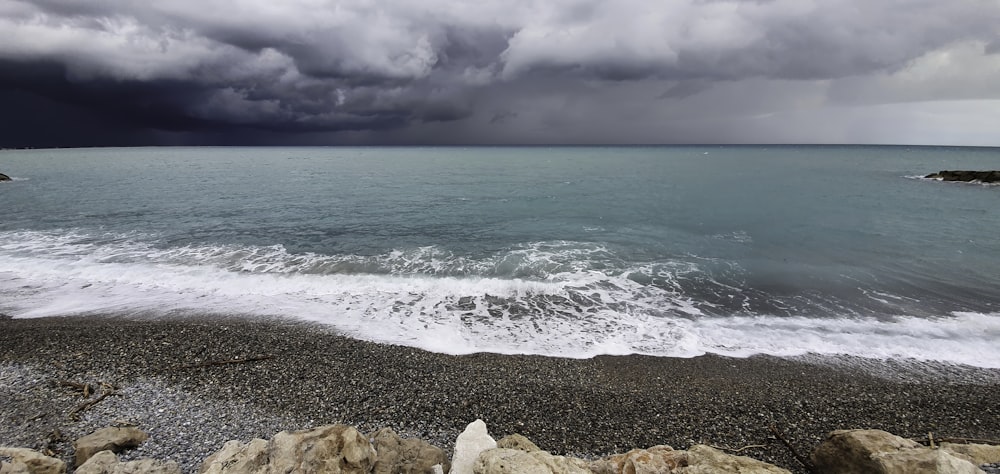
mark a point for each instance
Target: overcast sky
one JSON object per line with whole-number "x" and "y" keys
{"x": 212, "y": 72}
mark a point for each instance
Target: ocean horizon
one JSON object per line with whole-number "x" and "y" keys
{"x": 567, "y": 251}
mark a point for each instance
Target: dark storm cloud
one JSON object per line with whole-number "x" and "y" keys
{"x": 493, "y": 71}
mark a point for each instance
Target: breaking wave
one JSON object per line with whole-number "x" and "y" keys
{"x": 557, "y": 298}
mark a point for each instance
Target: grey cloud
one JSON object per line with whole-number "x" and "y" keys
{"x": 734, "y": 40}
{"x": 500, "y": 71}
{"x": 993, "y": 47}
{"x": 683, "y": 89}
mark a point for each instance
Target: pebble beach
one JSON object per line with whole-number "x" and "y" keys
{"x": 194, "y": 383}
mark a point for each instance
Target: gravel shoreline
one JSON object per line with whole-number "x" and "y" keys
{"x": 309, "y": 376}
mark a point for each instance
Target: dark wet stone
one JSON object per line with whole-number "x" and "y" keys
{"x": 966, "y": 176}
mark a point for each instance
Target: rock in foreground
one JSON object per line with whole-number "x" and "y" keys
{"x": 699, "y": 459}
{"x": 330, "y": 449}
{"x": 474, "y": 440}
{"x": 397, "y": 455}
{"x": 879, "y": 452}
{"x": 29, "y": 461}
{"x": 977, "y": 453}
{"x": 105, "y": 462}
{"x": 966, "y": 176}
{"x": 115, "y": 439}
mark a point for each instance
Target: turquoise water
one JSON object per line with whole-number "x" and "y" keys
{"x": 572, "y": 251}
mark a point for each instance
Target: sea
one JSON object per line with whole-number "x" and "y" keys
{"x": 558, "y": 251}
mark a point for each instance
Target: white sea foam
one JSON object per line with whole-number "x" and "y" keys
{"x": 739, "y": 237}
{"x": 974, "y": 182}
{"x": 550, "y": 298}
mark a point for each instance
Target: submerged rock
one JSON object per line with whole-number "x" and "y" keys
{"x": 967, "y": 176}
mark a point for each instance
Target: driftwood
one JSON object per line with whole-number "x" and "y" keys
{"x": 225, "y": 362}
{"x": 798, "y": 457}
{"x": 106, "y": 391}
{"x": 85, "y": 388}
{"x": 52, "y": 441}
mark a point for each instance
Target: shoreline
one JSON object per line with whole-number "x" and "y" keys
{"x": 170, "y": 386}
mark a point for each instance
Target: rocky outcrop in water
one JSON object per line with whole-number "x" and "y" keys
{"x": 4, "y": 177}
{"x": 966, "y": 176}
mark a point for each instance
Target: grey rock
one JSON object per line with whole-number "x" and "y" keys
{"x": 518, "y": 442}
{"x": 700, "y": 459}
{"x": 517, "y": 461}
{"x": 105, "y": 462}
{"x": 237, "y": 457}
{"x": 708, "y": 460}
{"x": 880, "y": 452}
{"x": 330, "y": 449}
{"x": 28, "y": 461}
{"x": 977, "y": 453}
{"x": 923, "y": 461}
{"x": 508, "y": 461}
{"x": 116, "y": 439}
{"x": 851, "y": 450}
{"x": 405, "y": 456}
{"x": 657, "y": 459}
